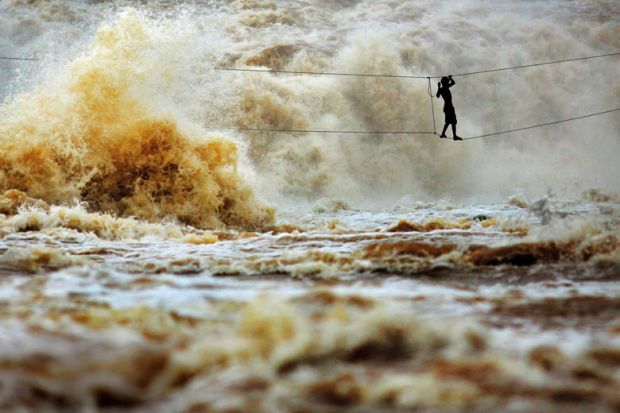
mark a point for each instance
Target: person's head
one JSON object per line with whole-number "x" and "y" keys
{"x": 444, "y": 81}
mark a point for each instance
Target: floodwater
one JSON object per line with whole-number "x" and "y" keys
{"x": 151, "y": 263}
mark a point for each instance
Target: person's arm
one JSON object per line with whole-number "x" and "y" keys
{"x": 438, "y": 89}
{"x": 452, "y": 82}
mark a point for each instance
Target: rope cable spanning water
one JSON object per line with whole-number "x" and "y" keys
{"x": 396, "y": 76}
{"x": 553, "y": 62}
{"x": 386, "y": 75}
{"x": 409, "y": 132}
{"x": 540, "y": 125}
{"x": 32, "y": 59}
{"x": 234, "y": 69}
{"x": 329, "y": 131}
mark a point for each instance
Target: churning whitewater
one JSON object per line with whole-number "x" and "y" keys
{"x": 162, "y": 249}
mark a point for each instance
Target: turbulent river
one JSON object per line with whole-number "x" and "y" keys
{"x": 157, "y": 256}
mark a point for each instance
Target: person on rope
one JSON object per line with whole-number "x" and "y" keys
{"x": 443, "y": 90}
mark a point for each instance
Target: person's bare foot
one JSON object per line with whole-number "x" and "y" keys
{"x": 457, "y": 138}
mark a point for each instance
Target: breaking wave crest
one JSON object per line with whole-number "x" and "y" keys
{"x": 93, "y": 136}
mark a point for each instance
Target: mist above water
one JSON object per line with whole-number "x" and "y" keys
{"x": 171, "y": 79}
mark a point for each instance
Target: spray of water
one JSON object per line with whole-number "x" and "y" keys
{"x": 118, "y": 125}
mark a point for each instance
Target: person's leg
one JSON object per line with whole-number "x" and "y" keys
{"x": 443, "y": 132}
{"x": 454, "y": 135}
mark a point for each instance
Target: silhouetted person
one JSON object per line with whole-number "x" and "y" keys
{"x": 448, "y": 109}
